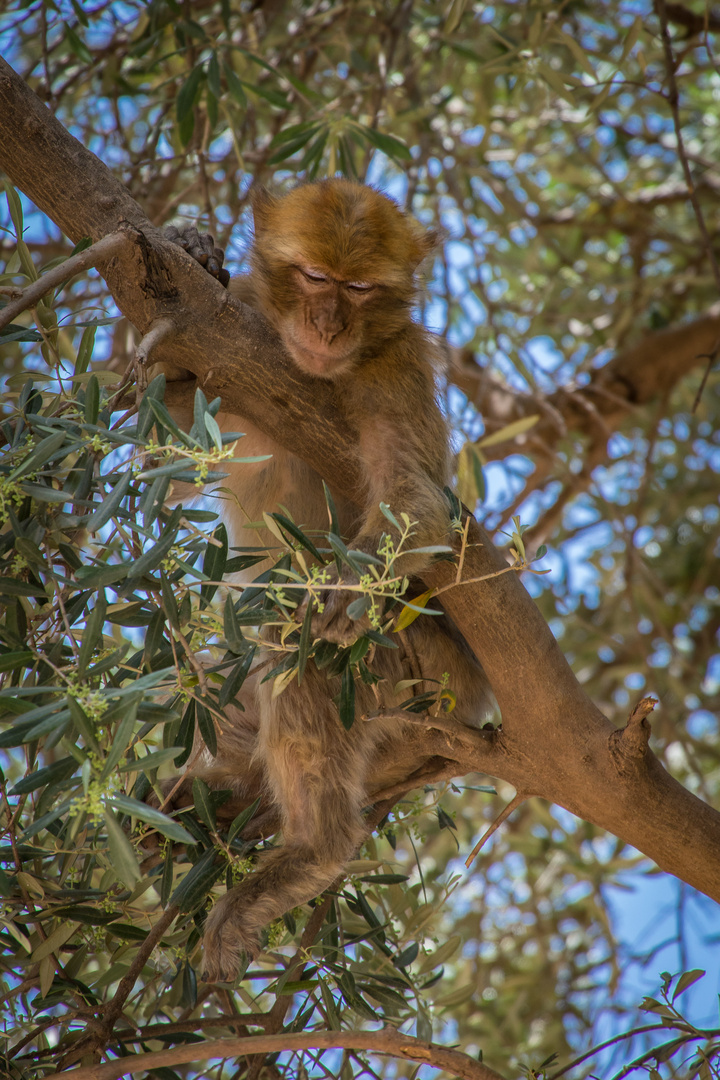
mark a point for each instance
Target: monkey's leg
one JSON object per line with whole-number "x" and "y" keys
{"x": 316, "y": 771}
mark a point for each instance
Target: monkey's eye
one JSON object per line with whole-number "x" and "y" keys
{"x": 313, "y": 275}
{"x": 359, "y": 286}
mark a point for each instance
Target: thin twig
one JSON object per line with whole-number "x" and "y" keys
{"x": 104, "y": 249}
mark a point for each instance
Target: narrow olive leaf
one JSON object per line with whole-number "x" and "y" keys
{"x": 242, "y": 819}
{"x": 213, "y": 75}
{"x": 235, "y": 87}
{"x": 92, "y": 634}
{"x": 84, "y": 353}
{"x": 123, "y": 860}
{"x": 235, "y": 679}
{"x": 166, "y": 881}
{"x": 169, "y": 602}
{"x": 49, "y": 774}
{"x": 83, "y": 724}
{"x": 387, "y": 512}
{"x": 412, "y": 609}
{"x": 291, "y": 146}
{"x": 39, "y": 456}
{"x": 110, "y": 503}
{"x": 151, "y": 761}
{"x": 214, "y": 561}
{"x": 332, "y": 510}
{"x": 387, "y": 143}
{"x": 92, "y": 399}
{"x": 157, "y": 552}
{"x": 346, "y": 704}
{"x": 188, "y": 93}
{"x": 211, "y": 426}
{"x": 15, "y": 661}
{"x": 381, "y": 639}
{"x": 203, "y": 803}
{"x": 150, "y": 816}
{"x": 297, "y": 534}
{"x": 510, "y": 431}
{"x": 206, "y": 726}
{"x": 231, "y": 628}
{"x": 161, "y": 413}
{"x": 195, "y": 886}
{"x": 121, "y": 738}
{"x": 541, "y": 552}
{"x": 444, "y": 819}
{"x": 306, "y": 639}
{"x": 15, "y": 208}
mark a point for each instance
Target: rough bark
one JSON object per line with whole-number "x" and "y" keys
{"x": 554, "y": 742}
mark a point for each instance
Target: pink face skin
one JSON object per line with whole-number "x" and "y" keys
{"x": 320, "y": 335}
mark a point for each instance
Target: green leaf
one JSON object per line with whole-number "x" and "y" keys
{"x": 15, "y": 661}
{"x": 83, "y": 724}
{"x": 40, "y": 456}
{"x": 346, "y": 703}
{"x": 203, "y": 803}
{"x": 235, "y": 679}
{"x": 235, "y": 87}
{"x": 151, "y": 816}
{"x": 306, "y": 639}
{"x": 92, "y": 634}
{"x": 231, "y": 628}
{"x": 213, "y": 75}
{"x": 195, "y": 886}
{"x": 297, "y": 534}
{"x": 188, "y": 93}
{"x": 206, "y": 726}
{"x": 85, "y": 351}
{"x": 15, "y": 208}
{"x": 387, "y": 143}
{"x": 214, "y": 562}
{"x": 242, "y": 819}
{"x": 687, "y": 979}
{"x": 110, "y": 504}
{"x": 123, "y": 858}
{"x": 121, "y": 738}
{"x": 49, "y": 774}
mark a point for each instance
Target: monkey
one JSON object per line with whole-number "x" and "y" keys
{"x": 334, "y": 271}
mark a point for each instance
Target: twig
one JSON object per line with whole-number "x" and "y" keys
{"x": 405, "y": 1047}
{"x": 104, "y": 249}
{"x": 505, "y": 813}
{"x": 673, "y": 100}
{"x": 98, "y": 1038}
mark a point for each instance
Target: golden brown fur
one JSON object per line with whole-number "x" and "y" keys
{"x": 333, "y": 269}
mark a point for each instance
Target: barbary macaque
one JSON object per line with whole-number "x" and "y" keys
{"x": 334, "y": 272}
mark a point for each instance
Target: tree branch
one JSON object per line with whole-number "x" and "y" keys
{"x": 386, "y": 1041}
{"x": 554, "y": 742}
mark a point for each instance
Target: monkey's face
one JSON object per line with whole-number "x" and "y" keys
{"x": 334, "y": 271}
{"x": 325, "y": 329}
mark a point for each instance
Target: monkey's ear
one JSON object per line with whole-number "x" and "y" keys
{"x": 263, "y": 205}
{"x": 426, "y": 242}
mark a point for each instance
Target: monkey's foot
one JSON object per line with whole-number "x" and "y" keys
{"x": 225, "y": 942}
{"x": 334, "y": 623}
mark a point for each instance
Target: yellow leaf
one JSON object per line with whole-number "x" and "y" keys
{"x": 409, "y": 613}
{"x": 510, "y": 431}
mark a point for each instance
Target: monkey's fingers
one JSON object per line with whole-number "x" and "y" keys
{"x": 202, "y": 248}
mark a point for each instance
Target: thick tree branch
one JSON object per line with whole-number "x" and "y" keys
{"x": 554, "y": 742}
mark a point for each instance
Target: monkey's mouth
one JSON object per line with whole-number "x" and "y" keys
{"x": 321, "y": 360}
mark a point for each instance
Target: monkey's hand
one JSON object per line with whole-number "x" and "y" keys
{"x": 333, "y": 623}
{"x": 202, "y": 248}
